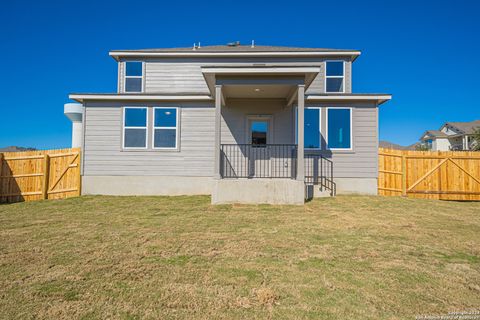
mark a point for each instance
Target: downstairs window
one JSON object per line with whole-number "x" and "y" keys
{"x": 165, "y": 128}
{"x": 135, "y": 127}
{"x": 339, "y": 128}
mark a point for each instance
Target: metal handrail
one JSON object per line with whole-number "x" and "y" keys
{"x": 319, "y": 171}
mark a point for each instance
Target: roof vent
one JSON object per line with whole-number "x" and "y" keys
{"x": 233, "y": 44}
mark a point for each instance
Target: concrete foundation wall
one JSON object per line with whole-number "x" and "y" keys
{"x": 273, "y": 191}
{"x": 255, "y": 191}
{"x": 366, "y": 186}
{"x": 146, "y": 185}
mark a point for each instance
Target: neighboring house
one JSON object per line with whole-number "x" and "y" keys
{"x": 451, "y": 136}
{"x": 226, "y": 121}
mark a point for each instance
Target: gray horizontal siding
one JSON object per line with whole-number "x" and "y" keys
{"x": 362, "y": 161}
{"x": 103, "y": 135}
{"x": 181, "y": 75}
{"x": 235, "y": 115}
{"x": 103, "y": 154}
{"x": 174, "y": 77}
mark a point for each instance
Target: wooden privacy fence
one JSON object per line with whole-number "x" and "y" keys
{"x": 449, "y": 175}
{"x": 35, "y": 175}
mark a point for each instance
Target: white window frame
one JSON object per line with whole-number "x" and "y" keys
{"x": 125, "y": 77}
{"x": 319, "y": 127}
{"x": 176, "y": 128}
{"x": 124, "y": 127}
{"x": 351, "y": 128}
{"x": 333, "y": 77}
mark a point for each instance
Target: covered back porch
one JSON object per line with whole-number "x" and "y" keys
{"x": 259, "y": 124}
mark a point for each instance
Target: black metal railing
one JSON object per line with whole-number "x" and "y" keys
{"x": 319, "y": 171}
{"x": 274, "y": 161}
{"x": 258, "y": 161}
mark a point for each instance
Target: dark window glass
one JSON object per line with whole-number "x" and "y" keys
{"x": 335, "y": 68}
{"x": 135, "y": 138}
{"x": 339, "y": 128}
{"x": 134, "y": 69}
{"x": 312, "y": 128}
{"x": 166, "y": 117}
{"x": 135, "y": 117}
{"x": 259, "y": 132}
{"x": 334, "y": 84}
{"x": 133, "y": 84}
{"x": 165, "y": 138}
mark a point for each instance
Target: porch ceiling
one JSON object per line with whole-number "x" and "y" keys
{"x": 271, "y": 81}
{"x": 258, "y": 91}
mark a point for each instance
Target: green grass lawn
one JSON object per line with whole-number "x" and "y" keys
{"x": 182, "y": 258}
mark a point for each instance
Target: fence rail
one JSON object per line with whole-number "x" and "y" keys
{"x": 35, "y": 175}
{"x": 449, "y": 175}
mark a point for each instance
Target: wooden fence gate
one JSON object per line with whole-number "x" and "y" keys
{"x": 450, "y": 175}
{"x": 35, "y": 175}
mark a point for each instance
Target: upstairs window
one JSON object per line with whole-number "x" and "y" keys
{"x": 335, "y": 76}
{"x": 339, "y": 128}
{"x": 133, "y": 76}
{"x": 135, "y": 128}
{"x": 165, "y": 128}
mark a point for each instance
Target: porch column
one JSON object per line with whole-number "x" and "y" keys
{"x": 218, "y": 121}
{"x": 300, "y": 139}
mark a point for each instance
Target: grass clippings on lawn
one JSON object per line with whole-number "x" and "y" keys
{"x": 182, "y": 258}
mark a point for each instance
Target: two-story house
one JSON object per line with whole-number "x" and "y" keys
{"x": 451, "y": 136}
{"x": 242, "y": 123}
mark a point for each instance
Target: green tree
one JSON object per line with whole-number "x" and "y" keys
{"x": 421, "y": 147}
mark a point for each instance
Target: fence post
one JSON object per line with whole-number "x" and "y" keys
{"x": 404, "y": 175}
{"x": 46, "y": 174}
{"x": 1, "y": 167}
{"x": 79, "y": 173}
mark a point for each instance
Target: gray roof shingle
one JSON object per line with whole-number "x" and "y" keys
{"x": 466, "y": 127}
{"x": 435, "y": 133}
{"x": 239, "y": 48}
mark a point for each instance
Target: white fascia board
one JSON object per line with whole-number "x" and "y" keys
{"x": 261, "y": 70}
{"x": 116, "y": 97}
{"x": 117, "y": 54}
{"x": 352, "y": 97}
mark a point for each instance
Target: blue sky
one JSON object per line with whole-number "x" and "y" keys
{"x": 425, "y": 53}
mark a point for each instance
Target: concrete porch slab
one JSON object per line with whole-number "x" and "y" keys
{"x": 258, "y": 191}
